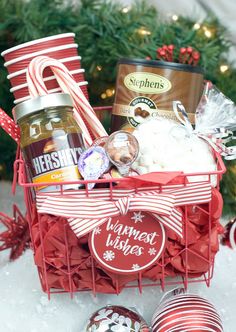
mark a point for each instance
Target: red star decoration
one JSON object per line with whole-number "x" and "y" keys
{"x": 16, "y": 237}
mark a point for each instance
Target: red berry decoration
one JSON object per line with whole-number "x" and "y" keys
{"x": 171, "y": 47}
{"x": 187, "y": 55}
{"x": 186, "y": 312}
{"x": 196, "y": 58}
{"x": 189, "y": 50}
{"x": 161, "y": 53}
{"x": 182, "y": 54}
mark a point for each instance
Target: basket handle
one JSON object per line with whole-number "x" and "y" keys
{"x": 10, "y": 127}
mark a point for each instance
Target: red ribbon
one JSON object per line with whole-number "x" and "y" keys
{"x": 85, "y": 214}
{"x": 9, "y": 126}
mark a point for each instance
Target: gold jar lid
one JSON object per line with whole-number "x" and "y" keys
{"x": 34, "y": 105}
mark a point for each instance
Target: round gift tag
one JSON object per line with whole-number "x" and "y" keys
{"x": 128, "y": 244}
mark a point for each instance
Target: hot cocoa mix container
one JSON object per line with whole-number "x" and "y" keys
{"x": 147, "y": 88}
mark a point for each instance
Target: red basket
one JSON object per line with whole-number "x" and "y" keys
{"x": 65, "y": 264}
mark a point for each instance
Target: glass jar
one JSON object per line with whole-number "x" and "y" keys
{"x": 51, "y": 140}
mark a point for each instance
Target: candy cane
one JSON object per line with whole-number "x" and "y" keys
{"x": 38, "y": 88}
{"x": 68, "y": 83}
{"x": 84, "y": 113}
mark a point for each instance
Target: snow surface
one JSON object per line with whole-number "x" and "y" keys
{"x": 25, "y": 308}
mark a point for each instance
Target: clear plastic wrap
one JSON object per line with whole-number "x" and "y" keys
{"x": 166, "y": 145}
{"x": 215, "y": 112}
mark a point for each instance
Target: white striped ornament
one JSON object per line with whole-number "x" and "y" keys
{"x": 186, "y": 313}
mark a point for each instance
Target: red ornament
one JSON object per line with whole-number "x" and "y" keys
{"x": 116, "y": 318}
{"x": 186, "y": 312}
{"x": 16, "y": 237}
{"x": 229, "y": 237}
{"x": 128, "y": 244}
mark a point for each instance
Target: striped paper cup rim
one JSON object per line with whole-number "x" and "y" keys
{"x": 23, "y": 71}
{"x": 37, "y": 41}
{"x": 34, "y": 54}
{"x": 49, "y": 78}
{"x": 17, "y": 101}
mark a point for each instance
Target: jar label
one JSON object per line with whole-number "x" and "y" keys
{"x": 144, "y": 82}
{"x": 140, "y": 112}
{"x": 54, "y": 159}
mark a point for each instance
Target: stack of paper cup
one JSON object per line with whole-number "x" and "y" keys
{"x": 60, "y": 47}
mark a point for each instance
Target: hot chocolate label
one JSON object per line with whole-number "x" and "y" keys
{"x": 144, "y": 82}
{"x": 143, "y": 108}
{"x": 139, "y": 110}
{"x": 128, "y": 244}
{"x": 54, "y": 159}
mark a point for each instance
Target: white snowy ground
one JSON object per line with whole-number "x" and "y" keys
{"x": 25, "y": 308}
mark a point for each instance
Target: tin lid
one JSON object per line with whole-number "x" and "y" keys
{"x": 162, "y": 64}
{"x": 40, "y": 103}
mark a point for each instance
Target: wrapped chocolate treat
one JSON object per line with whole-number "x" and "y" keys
{"x": 122, "y": 149}
{"x": 93, "y": 163}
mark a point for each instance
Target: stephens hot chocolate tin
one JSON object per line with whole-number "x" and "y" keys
{"x": 147, "y": 88}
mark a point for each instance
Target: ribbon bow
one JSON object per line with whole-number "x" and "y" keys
{"x": 85, "y": 214}
{"x": 216, "y": 139}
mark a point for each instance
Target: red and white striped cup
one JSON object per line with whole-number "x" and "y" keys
{"x": 19, "y": 77}
{"x": 58, "y": 52}
{"x": 82, "y": 85}
{"x": 22, "y": 90}
{"x": 38, "y": 45}
{"x": 60, "y": 47}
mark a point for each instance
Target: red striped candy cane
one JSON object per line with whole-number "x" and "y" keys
{"x": 84, "y": 114}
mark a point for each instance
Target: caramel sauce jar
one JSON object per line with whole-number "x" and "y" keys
{"x": 51, "y": 140}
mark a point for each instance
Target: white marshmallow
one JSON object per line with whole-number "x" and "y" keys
{"x": 166, "y": 146}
